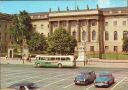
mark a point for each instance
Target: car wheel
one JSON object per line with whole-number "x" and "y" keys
{"x": 60, "y": 65}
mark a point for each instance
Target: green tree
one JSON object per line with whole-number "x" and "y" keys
{"x": 37, "y": 43}
{"x": 61, "y": 42}
{"x": 22, "y": 27}
{"x": 125, "y": 44}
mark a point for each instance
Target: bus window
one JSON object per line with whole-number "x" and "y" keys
{"x": 67, "y": 59}
{"x": 62, "y": 58}
{"x": 53, "y": 58}
{"x": 57, "y": 58}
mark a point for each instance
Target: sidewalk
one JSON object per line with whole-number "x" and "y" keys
{"x": 103, "y": 63}
{"x": 93, "y": 62}
{"x": 15, "y": 61}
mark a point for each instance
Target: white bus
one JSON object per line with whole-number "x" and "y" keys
{"x": 54, "y": 61}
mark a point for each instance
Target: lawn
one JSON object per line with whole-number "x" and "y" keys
{"x": 110, "y": 56}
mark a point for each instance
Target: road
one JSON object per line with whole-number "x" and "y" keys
{"x": 58, "y": 78}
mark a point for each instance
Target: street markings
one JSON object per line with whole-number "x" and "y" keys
{"x": 118, "y": 83}
{"x": 57, "y": 81}
{"x": 90, "y": 87}
{"x": 69, "y": 85}
{"x": 50, "y": 77}
{"x": 28, "y": 78}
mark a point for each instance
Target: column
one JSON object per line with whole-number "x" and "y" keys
{"x": 89, "y": 31}
{"x": 50, "y": 27}
{"x": 68, "y": 28}
{"x": 59, "y": 24}
{"x": 78, "y": 31}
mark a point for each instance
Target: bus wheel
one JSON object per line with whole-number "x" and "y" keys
{"x": 38, "y": 65}
{"x": 60, "y": 65}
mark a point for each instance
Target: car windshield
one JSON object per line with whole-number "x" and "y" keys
{"x": 81, "y": 76}
{"x": 103, "y": 75}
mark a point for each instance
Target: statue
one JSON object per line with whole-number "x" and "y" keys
{"x": 25, "y": 50}
{"x": 81, "y": 52}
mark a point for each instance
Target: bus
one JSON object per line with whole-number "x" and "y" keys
{"x": 54, "y": 61}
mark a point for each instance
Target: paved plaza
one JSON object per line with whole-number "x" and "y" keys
{"x": 57, "y": 78}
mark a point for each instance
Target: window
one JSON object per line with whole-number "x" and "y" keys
{"x": 106, "y": 48}
{"x": 83, "y": 23}
{"x": 55, "y": 24}
{"x": 42, "y": 26}
{"x": 94, "y": 23}
{"x": 115, "y": 48}
{"x": 10, "y": 37}
{"x": 5, "y": 36}
{"x": 106, "y": 23}
{"x": 74, "y": 34}
{"x": 92, "y": 48}
{"x": 93, "y": 35}
{"x": 115, "y": 23}
{"x": 124, "y": 23}
{"x": 83, "y": 35}
{"x": 73, "y": 23}
{"x": 115, "y": 35}
{"x": 106, "y": 35}
{"x": 34, "y": 26}
{"x": 0, "y": 37}
{"x": 125, "y": 34}
{"x": 63, "y": 24}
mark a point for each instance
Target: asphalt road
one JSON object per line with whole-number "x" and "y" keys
{"x": 58, "y": 78}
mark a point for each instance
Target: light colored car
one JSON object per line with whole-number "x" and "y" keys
{"x": 105, "y": 79}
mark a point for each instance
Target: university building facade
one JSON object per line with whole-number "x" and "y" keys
{"x": 102, "y": 30}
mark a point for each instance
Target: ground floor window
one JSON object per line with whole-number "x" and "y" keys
{"x": 92, "y": 48}
{"x": 106, "y": 48}
{"x": 115, "y": 48}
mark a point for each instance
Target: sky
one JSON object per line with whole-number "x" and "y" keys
{"x": 33, "y": 6}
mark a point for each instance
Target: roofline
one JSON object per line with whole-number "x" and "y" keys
{"x": 101, "y": 9}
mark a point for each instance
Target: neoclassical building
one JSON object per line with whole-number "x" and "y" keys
{"x": 103, "y": 29}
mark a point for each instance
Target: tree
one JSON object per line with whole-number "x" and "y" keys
{"x": 22, "y": 27}
{"x": 37, "y": 43}
{"x": 125, "y": 44}
{"x": 61, "y": 42}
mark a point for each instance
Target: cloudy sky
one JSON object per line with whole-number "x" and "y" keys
{"x": 14, "y": 6}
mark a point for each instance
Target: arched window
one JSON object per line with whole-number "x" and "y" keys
{"x": 93, "y": 35}
{"x": 106, "y": 35}
{"x": 125, "y": 34}
{"x": 83, "y": 35}
{"x": 115, "y": 35}
{"x": 74, "y": 34}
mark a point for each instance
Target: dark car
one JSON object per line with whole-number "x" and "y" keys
{"x": 105, "y": 79}
{"x": 24, "y": 86}
{"x": 85, "y": 78}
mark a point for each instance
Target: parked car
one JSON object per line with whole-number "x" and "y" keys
{"x": 84, "y": 78}
{"x": 23, "y": 86}
{"x": 104, "y": 79}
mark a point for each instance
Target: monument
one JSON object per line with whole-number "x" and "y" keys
{"x": 81, "y": 52}
{"x": 25, "y": 50}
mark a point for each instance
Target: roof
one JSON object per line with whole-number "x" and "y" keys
{"x": 102, "y": 9}
{"x": 105, "y": 73}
